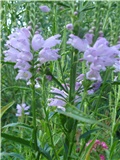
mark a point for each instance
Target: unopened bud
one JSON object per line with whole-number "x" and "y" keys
{"x": 49, "y": 77}
{"x": 101, "y": 33}
{"x": 75, "y": 13}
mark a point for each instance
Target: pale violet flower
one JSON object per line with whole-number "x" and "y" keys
{"x": 25, "y": 75}
{"x": 22, "y": 109}
{"x": 60, "y": 96}
{"x": 19, "y": 40}
{"x": 47, "y": 54}
{"x": 22, "y": 65}
{"x": 37, "y": 42}
{"x": 59, "y": 99}
{"x": 95, "y": 87}
{"x": 19, "y": 51}
{"x": 44, "y": 8}
{"x": 89, "y": 38}
{"x": 93, "y": 75}
{"x": 49, "y": 77}
{"x": 78, "y": 43}
{"x": 52, "y": 41}
{"x": 99, "y": 57}
{"x": 11, "y": 55}
{"x": 37, "y": 85}
{"x": 69, "y": 26}
{"x": 117, "y": 66}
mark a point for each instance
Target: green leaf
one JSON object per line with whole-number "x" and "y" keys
{"x": 82, "y": 118}
{"x": 17, "y": 140}
{"x": 86, "y": 134}
{"x": 46, "y": 154}
{"x": 25, "y": 143}
{"x": 5, "y": 108}
{"x": 16, "y": 87}
{"x": 23, "y": 125}
{"x": 16, "y": 155}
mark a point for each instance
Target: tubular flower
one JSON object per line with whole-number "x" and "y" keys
{"x": 22, "y": 109}
{"x": 19, "y": 51}
{"x": 98, "y": 57}
{"x": 59, "y": 99}
{"x": 44, "y": 8}
{"x": 61, "y": 96}
{"x": 78, "y": 43}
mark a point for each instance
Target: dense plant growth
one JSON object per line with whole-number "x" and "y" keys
{"x": 60, "y": 80}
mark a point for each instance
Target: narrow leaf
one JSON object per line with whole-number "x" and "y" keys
{"x": 81, "y": 118}
{"x": 17, "y": 139}
{"x": 23, "y": 125}
{"x": 5, "y": 108}
{"x": 16, "y": 155}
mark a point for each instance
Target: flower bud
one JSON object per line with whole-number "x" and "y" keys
{"x": 69, "y": 26}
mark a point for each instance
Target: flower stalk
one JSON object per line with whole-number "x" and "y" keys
{"x": 73, "y": 70}
{"x": 44, "y": 100}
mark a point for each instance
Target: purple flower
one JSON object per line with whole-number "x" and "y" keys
{"x": 59, "y": 98}
{"x": 19, "y": 40}
{"x": 104, "y": 146}
{"x": 75, "y": 13}
{"x": 69, "y": 26}
{"x": 93, "y": 75}
{"x": 96, "y": 144}
{"x": 102, "y": 157}
{"x": 22, "y": 65}
{"x": 11, "y": 55}
{"x": 49, "y": 77}
{"x": 100, "y": 56}
{"x": 22, "y": 109}
{"x": 52, "y": 41}
{"x": 47, "y": 54}
{"x": 37, "y": 42}
{"x": 89, "y": 38}
{"x": 80, "y": 77}
{"x": 117, "y": 65}
{"x": 44, "y": 8}
{"x": 78, "y": 43}
{"x": 96, "y": 85}
{"x": 25, "y": 75}
{"x": 19, "y": 51}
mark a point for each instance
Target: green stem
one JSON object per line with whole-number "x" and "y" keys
{"x": 114, "y": 114}
{"x": 34, "y": 114}
{"x": 72, "y": 77}
{"x": 71, "y": 135}
{"x": 47, "y": 118}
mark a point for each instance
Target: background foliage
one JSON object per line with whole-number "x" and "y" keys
{"x": 103, "y": 106}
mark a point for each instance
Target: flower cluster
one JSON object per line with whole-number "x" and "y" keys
{"x": 22, "y": 110}
{"x": 98, "y": 143}
{"x": 97, "y": 146}
{"x": 97, "y": 57}
{"x": 60, "y": 98}
{"x": 19, "y": 51}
